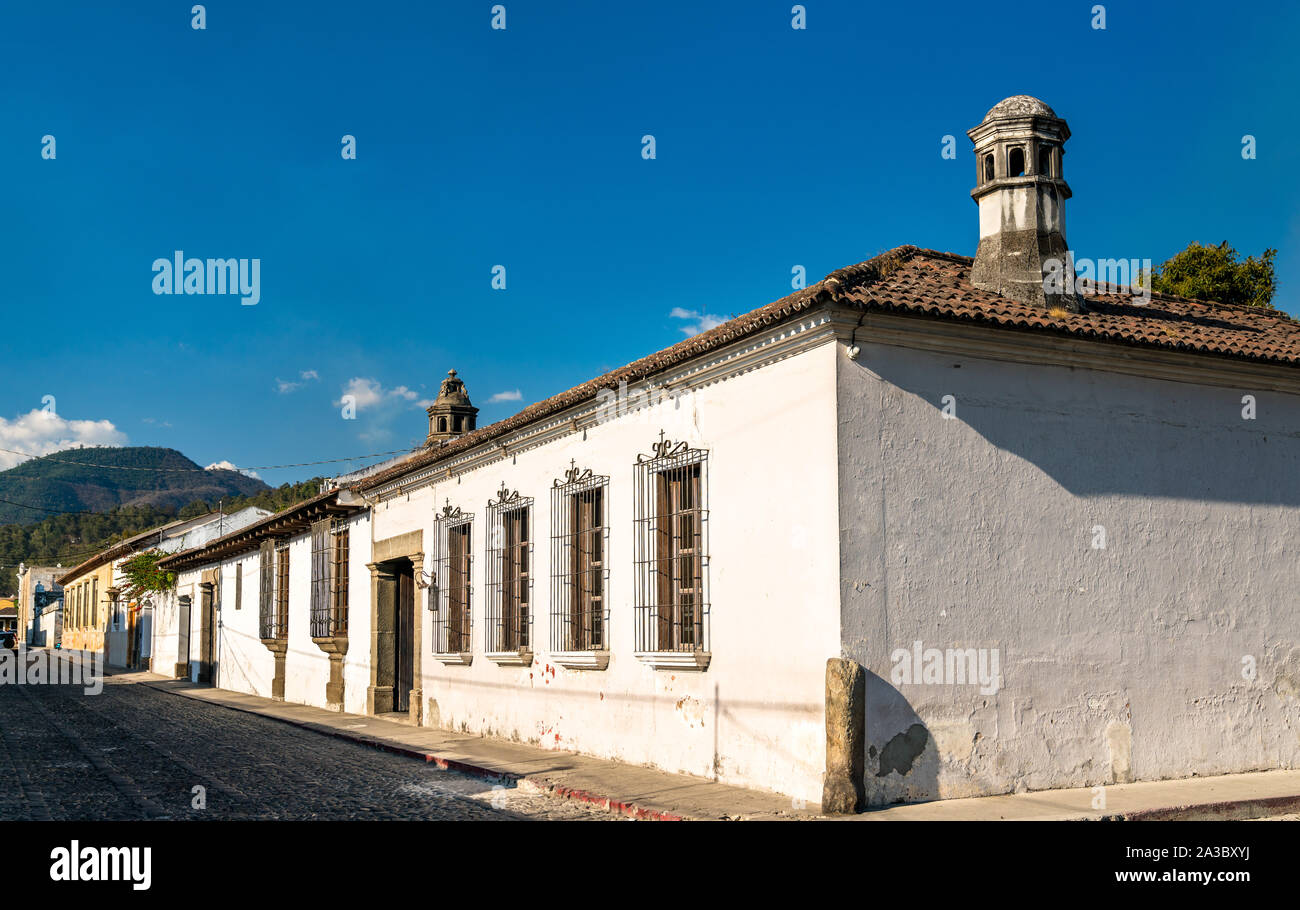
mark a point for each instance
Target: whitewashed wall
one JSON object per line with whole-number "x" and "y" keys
{"x": 356, "y": 665}
{"x": 166, "y": 621}
{"x": 756, "y": 716}
{"x": 243, "y": 663}
{"x": 1117, "y": 663}
{"x": 306, "y": 670}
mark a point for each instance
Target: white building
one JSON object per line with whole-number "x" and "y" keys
{"x": 904, "y": 534}
{"x": 147, "y": 611}
{"x": 40, "y": 604}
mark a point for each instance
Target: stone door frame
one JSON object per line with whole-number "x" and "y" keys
{"x": 383, "y": 599}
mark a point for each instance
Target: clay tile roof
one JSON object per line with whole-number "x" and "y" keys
{"x": 927, "y": 283}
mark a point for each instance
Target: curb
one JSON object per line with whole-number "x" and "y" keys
{"x": 537, "y": 784}
{"x": 1226, "y": 810}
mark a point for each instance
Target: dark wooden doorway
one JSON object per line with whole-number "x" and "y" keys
{"x": 404, "y": 640}
{"x": 207, "y": 632}
{"x": 132, "y": 637}
{"x": 183, "y": 638}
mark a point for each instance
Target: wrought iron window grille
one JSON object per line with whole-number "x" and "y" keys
{"x": 450, "y": 591}
{"x": 579, "y": 561}
{"x": 671, "y": 549}
{"x": 509, "y": 573}
{"x": 274, "y": 593}
{"x": 329, "y": 578}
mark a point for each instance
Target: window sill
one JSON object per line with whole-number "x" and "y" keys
{"x": 522, "y": 658}
{"x": 675, "y": 660}
{"x": 582, "y": 660}
{"x": 464, "y": 658}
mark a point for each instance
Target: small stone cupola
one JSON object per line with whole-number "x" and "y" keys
{"x": 451, "y": 413}
{"x": 1021, "y": 191}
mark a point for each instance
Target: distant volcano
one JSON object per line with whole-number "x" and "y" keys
{"x": 100, "y": 478}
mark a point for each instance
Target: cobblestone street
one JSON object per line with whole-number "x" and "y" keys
{"x": 133, "y": 752}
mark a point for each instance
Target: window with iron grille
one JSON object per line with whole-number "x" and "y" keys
{"x": 329, "y": 578}
{"x": 320, "y": 578}
{"x": 450, "y": 589}
{"x": 282, "y": 588}
{"x": 274, "y": 590}
{"x": 509, "y": 571}
{"x": 579, "y": 571}
{"x": 672, "y": 601}
{"x": 239, "y": 585}
{"x": 339, "y": 577}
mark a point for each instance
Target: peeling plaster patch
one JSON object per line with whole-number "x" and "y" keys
{"x": 902, "y": 750}
{"x": 691, "y": 712}
{"x": 1119, "y": 740}
{"x": 954, "y": 742}
{"x": 1286, "y": 679}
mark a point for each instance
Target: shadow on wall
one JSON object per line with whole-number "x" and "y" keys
{"x": 902, "y": 762}
{"x": 1104, "y": 433}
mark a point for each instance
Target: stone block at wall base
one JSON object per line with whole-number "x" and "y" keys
{"x": 843, "y": 786}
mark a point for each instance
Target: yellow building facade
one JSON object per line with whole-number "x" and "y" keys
{"x": 87, "y": 603}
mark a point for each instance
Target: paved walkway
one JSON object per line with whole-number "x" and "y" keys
{"x": 648, "y": 793}
{"x": 1231, "y": 796}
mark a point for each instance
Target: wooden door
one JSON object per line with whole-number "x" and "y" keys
{"x": 404, "y": 640}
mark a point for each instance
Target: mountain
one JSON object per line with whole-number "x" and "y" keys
{"x": 67, "y": 539}
{"x": 101, "y": 478}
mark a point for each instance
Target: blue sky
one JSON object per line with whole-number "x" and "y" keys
{"x": 478, "y": 147}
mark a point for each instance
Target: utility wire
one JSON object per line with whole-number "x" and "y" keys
{"x": 256, "y": 467}
{"x": 74, "y": 558}
{"x": 85, "y": 464}
{"x": 23, "y": 505}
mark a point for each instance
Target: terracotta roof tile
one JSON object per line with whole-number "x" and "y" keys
{"x": 925, "y": 282}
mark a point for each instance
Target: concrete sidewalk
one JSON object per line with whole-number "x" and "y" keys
{"x": 650, "y": 794}
{"x": 1231, "y": 796}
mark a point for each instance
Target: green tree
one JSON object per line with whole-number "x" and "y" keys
{"x": 1214, "y": 273}
{"x": 143, "y": 575}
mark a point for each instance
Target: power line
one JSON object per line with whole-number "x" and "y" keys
{"x": 74, "y": 557}
{"x": 23, "y": 505}
{"x": 256, "y": 467}
{"x": 86, "y": 464}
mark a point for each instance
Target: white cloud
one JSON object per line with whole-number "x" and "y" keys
{"x": 43, "y": 432}
{"x": 230, "y": 466}
{"x": 700, "y": 322}
{"x": 516, "y": 395}
{"x": 285, "y": 386}
{"x": 369, "y": 393}
{"x": 364, "y": 393}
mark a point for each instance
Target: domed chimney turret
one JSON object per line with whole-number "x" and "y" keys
{"x": 451, "y": 413}
{"x": 1021, "y": 193}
